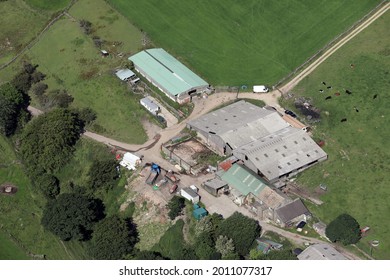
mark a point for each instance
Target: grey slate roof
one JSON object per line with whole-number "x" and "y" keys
{"x": 292, "y": 210}
{"x": 321, "y": 252}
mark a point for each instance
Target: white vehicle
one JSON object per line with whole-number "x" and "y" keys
{"x": 259, "y": 89}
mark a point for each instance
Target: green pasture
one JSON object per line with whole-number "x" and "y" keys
{"x": 21, "y": 216}
{"x": 48, "y": 5}
{"x": 9, "y": 250}
{"x": 357, "y": 170}
{"x": 243, "y": 42}
{"x": 70, "y": 61}
{"x": 19, "y": 25}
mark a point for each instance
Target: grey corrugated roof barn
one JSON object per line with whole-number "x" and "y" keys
{"x": 266, "y": 143}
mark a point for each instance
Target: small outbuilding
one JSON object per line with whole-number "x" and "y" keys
{"x": 215, "y": 186}
{"x": 190, "y": 194}
{"x": 320, "y": 228}
{"x": 150, "y": 105}
{"x": 291, "y": 213}
{"x": 199, "y": 212}
{"x": 130, "y": 161}
{"x": 126, "y": 75}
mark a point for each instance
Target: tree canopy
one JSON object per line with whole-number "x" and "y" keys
{"x": 175, "y": 206}
{"x": 344, "y": 229}
{"x": 72, "y": 216}
{"x": 12, "y": 104}
{"x": 102, "y": 174}
{"x": 113, "y": 238}
{"x": 47, "y": 141}
{"x": 242, "y": 230}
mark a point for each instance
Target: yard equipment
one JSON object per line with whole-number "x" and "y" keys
{"x": 155, "y": 170}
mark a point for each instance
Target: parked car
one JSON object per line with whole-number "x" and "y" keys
{"x": 291, "y": 113}
{"x": 173, "y": 188}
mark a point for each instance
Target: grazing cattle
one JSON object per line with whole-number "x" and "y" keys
{"x": 356, "y": 109}
{"x": 375, "y": 96}
{"x": 329, "y": 87}
{"x": 337, "y": 94}
{"x": 347, "y": 91}
{"x": 343, "y": 120}
{"x": 324, "y": 83}
{"x": 328, "y": 97}
{"x": 321, "y": 90}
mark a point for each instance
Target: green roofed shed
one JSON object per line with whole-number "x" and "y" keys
{"x": 199, "y": 213}
{"x": 168, "y": 74}
{"x": 243, "y": 180}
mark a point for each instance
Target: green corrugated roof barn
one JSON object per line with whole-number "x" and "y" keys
{"x": 243, "y": 180}
{"x": 168, "y": 74}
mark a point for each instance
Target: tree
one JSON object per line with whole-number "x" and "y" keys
{"x": 47, "y": 141}
{"x": 204, "y": 247}
{"x": 103, "y": 174}
{"x": 12, "y": 105}
{"x": 224, "y": 245}
{"x": 113, "y": 238}
{"x": 39, "y": 89}
{"x": 58, "y": 98}
{"x": 72, "y": 216}
{"x": 175, "y": 206}
{"x": 48, "y": 184}
{"x": 242, "y": 230}
{"x": 344, "y": 229}
{"x": 86, "y": 115}
{"x": 37, "y": 77}
{"x": 204, "y": 225}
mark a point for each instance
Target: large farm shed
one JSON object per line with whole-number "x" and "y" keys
{"x": 168, "y": 74}
{"x": 259, "y": 137}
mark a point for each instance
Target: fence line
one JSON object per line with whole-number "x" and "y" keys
{"x": 38, "y": 37}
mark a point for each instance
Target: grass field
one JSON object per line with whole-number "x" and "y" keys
{"x": 243, "y": 42}
{"x": 9, "y": 250}
{"x": 19, "y": 25}
{"x": 21, "y": 215}
{"x": 172, "y": 243}
{"x": 48, "y": 5}
{"x": 70, "y": 60}
{"x": 358, "y": 168}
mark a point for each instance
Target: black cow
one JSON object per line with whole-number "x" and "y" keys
{"x": 375, "y": 96}
{"x": 329, "y": 87}
{"x": 343, "y": 120}
{"x": 347, "y": 91}
{"x": 328, "y": 97}
{"x": 324, "y": 83}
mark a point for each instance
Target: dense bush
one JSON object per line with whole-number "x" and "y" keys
{"x": 175, "y": 206}
{"x": 344, "y": 229}
{"x": 72, "y": 216}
